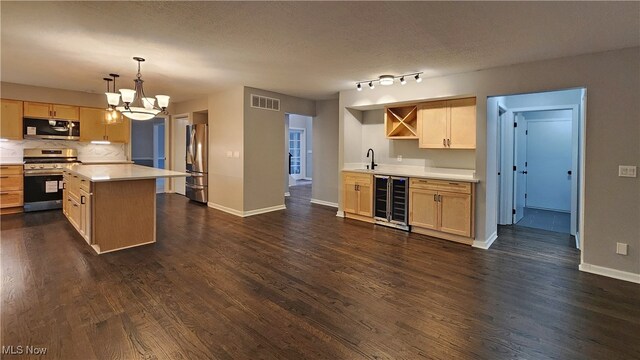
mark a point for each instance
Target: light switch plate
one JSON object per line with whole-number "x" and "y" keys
{"x": 236, "y": 154}
{"x": 229, "y": 154}
{"x": 399, "y": 158}
{"x": 627, "y": 171}
{"x": 621, "y": 248}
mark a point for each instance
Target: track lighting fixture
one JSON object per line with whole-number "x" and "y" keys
{"x": 387, "y": 80}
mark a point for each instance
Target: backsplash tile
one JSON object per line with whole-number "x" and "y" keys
{"x": 11, "y": 151}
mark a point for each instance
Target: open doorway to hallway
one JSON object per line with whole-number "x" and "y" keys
{"x": 540, "y": 160}
{"x": 299, "y": 151}
{"x": 149, "y": 146}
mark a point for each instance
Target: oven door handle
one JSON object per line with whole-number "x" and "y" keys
{"x": 26, "y": 174}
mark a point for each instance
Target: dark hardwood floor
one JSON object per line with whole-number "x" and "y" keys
{"x": 303, "y": 283}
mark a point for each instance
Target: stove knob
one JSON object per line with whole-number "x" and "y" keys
{"x": 41, "y": 166}
{"x": 56, "y": 166}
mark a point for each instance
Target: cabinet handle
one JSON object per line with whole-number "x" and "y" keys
{"x": 452, "y": 183}
{"x": 439, "y": 198}
{"x": 4, "y": 167}
{"x": 356, "y": 187}
{"x": 444, "y": 142}
{"x": 64, "y": 186}
{"x": 4, "y": 193}
{"x": 435, "y": 197}
{"x": 4, "y": 177}
{"x": 75, "y": 205}
{"x": 82, "y": 199}
{"x": 449, "y": 142}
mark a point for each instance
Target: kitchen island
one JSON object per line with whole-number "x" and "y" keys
{"x": 113, "y": 207}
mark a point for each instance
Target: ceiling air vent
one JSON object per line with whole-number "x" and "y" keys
{"x": 263, "y": 102}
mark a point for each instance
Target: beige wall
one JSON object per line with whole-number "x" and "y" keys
{"x": 50, "y": 95}
{"x": 226, "y": 133}
{"x": 264, "y": 142}
{"x": 189, "y": 106}
{"x": 325, "y": 151}
{"x": 612, "y": 79}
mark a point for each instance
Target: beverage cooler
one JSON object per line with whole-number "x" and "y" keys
{"x": 391, "y": 201}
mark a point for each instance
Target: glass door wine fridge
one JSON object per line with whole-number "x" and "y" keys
{"x": 391, "y": 202}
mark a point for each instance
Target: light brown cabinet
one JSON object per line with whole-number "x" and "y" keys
{"x": 11, "y": 187}
{"x": 76, "y": 205}
{"x": 50, "y": 111}
{"x": 11, "y": 120}
{"x": 358, "y": 195}
{"x": 92, "y": 127}
{"x": 401, "y": 122}
{"x": 444, "y": 207}
{"x": 449, "y": 124}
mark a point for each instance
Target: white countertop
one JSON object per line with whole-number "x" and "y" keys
{"x": 435, "y": 173}
{"x": 120, "y": 172}
{"x": 106, "y": 162}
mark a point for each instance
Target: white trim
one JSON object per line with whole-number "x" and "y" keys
{"x": 486, "y": 243}
{"x": 245, "y": 213}
{"x": 228, "y": 210}
{"x": 287, "y": 194}
{"x": 264, "y": 210}
{"x": 608, "y": 272}
{"x": 325, "y": 203}
{"x": 303, "y": 152}
{"x": 307, "y": 178}
{"x": 340, "y": 213}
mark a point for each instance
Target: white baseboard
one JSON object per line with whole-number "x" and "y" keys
{"x": 246, "y": 213}
{"x": 486, "y": 243}
{"x": 340, "y": 213}
{"x": 608, "y": 272}
{"x": 228, "y": 210}
{"x": 287, "y": 194}
{"x": 325, "y": 203}
{"x": 264, "y": 210}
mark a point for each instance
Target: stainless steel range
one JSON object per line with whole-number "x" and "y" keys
{"x": 43, "y": 177}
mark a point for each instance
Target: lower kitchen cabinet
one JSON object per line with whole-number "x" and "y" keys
{"x": 76, "y": 206}
{"x": 358, "y": 195}
{"x": 442, "y": 209}
{"x": 11, "y": 189}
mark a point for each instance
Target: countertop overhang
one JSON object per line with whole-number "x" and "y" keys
{"x": 120, "y": 172}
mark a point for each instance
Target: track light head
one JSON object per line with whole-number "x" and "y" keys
{"x": 359, "y": 87}
{"x": 402, "y": 80}
{"x": 418, "y": 78}
{"x": 371, "y": 86}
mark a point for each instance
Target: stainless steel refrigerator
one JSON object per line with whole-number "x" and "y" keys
{"x": 197, "y": 154}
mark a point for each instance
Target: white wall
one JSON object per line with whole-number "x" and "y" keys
{"x": 612, "y": 79}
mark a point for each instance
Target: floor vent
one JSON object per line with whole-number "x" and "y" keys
{"x": 263, "y": 102}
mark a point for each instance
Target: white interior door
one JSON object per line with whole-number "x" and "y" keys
{"x": 298, "y": 153}
{"x": 520, "y": 172}
{"x": 549, "y": 160}
{"x": 179, "y": 152}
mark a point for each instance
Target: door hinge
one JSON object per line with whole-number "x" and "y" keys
{"x": 513, "y": 211}
{"x": 526, "y": 132}
{"x": 525, "y": 196}
{"x": 525, "y": 164}
{"x": 514, "y": 168}
{"x": 515, "y": 124}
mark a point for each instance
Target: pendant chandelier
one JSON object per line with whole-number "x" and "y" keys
{"x": 136, "y": 105}
{"x": 111, "y": 116}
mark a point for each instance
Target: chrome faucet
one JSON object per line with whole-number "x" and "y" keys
{"x": 373, "y": 162}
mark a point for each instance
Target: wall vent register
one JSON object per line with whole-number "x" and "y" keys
{"x": 263, "y": 102}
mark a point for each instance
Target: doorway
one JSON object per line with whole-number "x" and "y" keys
{"x": 538, "y": 160}
{"x": 299, "y": 135}
{"x": 148, "y": 146}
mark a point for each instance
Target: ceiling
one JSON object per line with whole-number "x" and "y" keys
{"x": 306, "y": 49}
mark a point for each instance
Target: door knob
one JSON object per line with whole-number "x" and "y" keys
{"x": 569, "y": 172}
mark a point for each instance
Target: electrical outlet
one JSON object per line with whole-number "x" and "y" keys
{"x": 627, "y": 171}
{"x": 399, "y": 158}
{"x": 621, "y": 248}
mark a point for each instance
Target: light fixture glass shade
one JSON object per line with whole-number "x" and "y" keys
{"x": 386, "y": 80}
{"x": 403, "y": 80}
{"x": 359, "y": 87}
{"x": 128, "y": 95}
{"x": 113, "y": 98}
{"x": 138, "y": 113}
{"x": 148, "y": 102}
{"x": 111, "y": 116}
{"x": 163, "y": 100}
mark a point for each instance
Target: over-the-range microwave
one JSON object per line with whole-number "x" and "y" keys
{"x": 51, "y": 129}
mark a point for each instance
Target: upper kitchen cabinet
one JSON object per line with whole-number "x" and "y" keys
{"x": 92, "y": 127}
{"x": 447, "y": 124}
{"x": 401, "y": 122}
{"x": 11, "y": 120}
{"x": 50, "y": 111}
